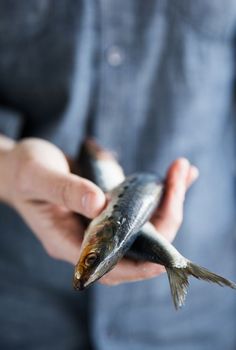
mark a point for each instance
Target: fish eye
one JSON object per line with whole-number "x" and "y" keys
{"x": 90, "y": 259}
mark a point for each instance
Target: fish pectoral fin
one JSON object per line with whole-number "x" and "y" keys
{"x": 178, "y": 278}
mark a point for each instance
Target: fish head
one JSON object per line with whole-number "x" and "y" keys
{"x": 99, "y": 253}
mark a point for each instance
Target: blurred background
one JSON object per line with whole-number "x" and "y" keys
{"x": 151, "y": 81}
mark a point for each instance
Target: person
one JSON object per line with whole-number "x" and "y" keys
{"x": 143, "y": 79}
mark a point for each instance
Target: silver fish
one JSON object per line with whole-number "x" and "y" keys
{"x": 111, "y": 234}
{"x": 105, "y": 242}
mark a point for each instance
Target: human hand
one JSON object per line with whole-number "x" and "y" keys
{"x": 167, "y": 219}
{"x": 38, "y": 184}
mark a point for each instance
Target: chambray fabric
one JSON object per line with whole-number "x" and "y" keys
{"x": 152, "y": 81}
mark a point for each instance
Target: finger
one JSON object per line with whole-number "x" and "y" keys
{"x": 59, "y": 230}
{"x": 192, "y": 176}
{"x": 175, "y": 186}
{"x": 177, "y": 178}
{"x": 64, "y": 244}
{"x": 68, "y": 190}
{"x": 130, "y": 271}
{"x": 64, "y": 239}
{"x": 168, "y": 217}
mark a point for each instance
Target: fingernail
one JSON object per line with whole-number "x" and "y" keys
{"x": 184, "y": 166}
{"x": 92, "y": 203}
{"x": 195, "y": 172}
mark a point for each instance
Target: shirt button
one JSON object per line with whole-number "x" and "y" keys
{"x": 115, "y": 56}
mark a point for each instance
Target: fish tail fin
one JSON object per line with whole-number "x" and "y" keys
{"x": 178, "y": 278}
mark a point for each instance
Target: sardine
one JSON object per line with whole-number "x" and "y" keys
{"x": 111, "y": 234}
{"x": 106, "y": 240}
{"x": 99, "y": 166}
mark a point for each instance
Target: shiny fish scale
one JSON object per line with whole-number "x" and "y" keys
{"x": 133, "y": 203}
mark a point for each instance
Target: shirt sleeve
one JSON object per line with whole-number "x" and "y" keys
{"x": 11, "y": 123}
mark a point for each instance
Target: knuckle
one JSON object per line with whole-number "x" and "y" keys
{"x": 23, "y": 176}
{"x": 66, "y": 192}
{"x": 21, "y": 183}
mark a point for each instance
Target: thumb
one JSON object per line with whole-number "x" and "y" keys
{"x": 68, "y": 190}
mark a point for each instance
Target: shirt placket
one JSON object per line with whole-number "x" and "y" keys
{"x": 113, "y": 115}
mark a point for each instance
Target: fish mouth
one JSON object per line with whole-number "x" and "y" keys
{"x": 78, "y": 285}
{"x": 78, "y": 281}
{"x": 82, "y": 282}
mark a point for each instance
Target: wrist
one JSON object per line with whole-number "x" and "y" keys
{"x": 6, "y": 146}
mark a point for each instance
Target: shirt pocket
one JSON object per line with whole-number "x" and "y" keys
{"x": 211, "y": 18}
{"x": 11, "y": 123}
{"x": 21, "y": 20}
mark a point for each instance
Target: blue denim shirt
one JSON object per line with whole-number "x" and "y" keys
{"x": 152, "y": 80}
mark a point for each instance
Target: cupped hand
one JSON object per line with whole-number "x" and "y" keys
{"x": 167, "y": 219}
{"x": 39, "y": 185}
